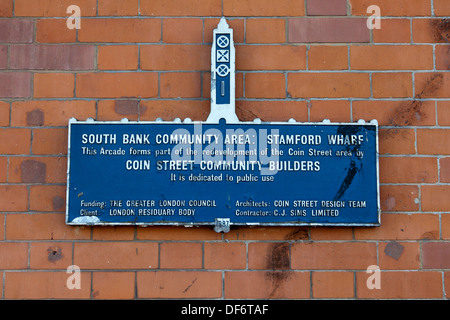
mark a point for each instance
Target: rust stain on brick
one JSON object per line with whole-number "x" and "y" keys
{"x": 394, "y": 249}
{"x": 441, "y": 30}
{"x": 127, "y": 107}
{"x": 279, "y": 259}
{"x": 33, "y": 171}
{"x": 58, "y": 202}
{"x": 298, "y": 234}
{"x": 245, "y": 114}
{"x": 35, "y": 118}
{"x": 54, "y": 254}
{"x": 408, "y": 113}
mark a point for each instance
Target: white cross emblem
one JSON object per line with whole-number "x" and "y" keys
{"x": 223, "y": 41}
{"x": 223, "y": 56}
{"x": 223, "y": 70}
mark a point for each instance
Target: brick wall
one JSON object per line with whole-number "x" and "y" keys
{"x": 302, "y": 59}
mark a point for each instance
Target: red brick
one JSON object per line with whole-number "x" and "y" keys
{"x": 397, "y": 141}
{"x": 433, "y": 141}
{"x": 179, "y": 284}
{"x": 432, "y": 85}
{"x": 268, "y": 233}
{"x": 45, "y": 285}
{"x": 2, "y": 223}
{"x": 16, "y": 30}
{"x": 265, "y": 30}
{"x": 180, "y": 85}
{"x": 222, "y": 255}
{"x": 181, "y": 255}
{"x": 436, "y": 255}
{"x": 447, "y": 283}
{"x": 53, "y": 85}
{"x": 171, "y": 109}
{"x": 48, "y": 8}
{"x": 111, "y": 85}
{"x": 181, "y": 8}
{"x": 435, "y": 198}
{"x": 267, "y": 285}
{"x": 13, "y": 198}
{"x": 331, "y": 233}
{"x": 325, "y": 57}
{"x": 392, "y": 85}
{"x": 442, "y": 57}
{"x": 177, "y": 233}
{"x": 444, "y": 164}
{"x": 3, "y": 172}
{"x": 430, "y": 30}
{"x": 402, "y": 227}
{"x": 328, "y": 85}
{"x": 334, "y": 30}
{"x": 116, "y": 255}
{"x": 263, "y": 8}
{"x": 445, "y": 226}
{"x": 120, "y": 30}
{"x": 175, "y": 57}
{"x": 54, "y": 31}
{"x": 15, "y": 85}
{"x": 443, "y": 111}
{"x": 333, "y": 285}
{"x": 399, "y": 8}
{"x": 49, "y": 141}
{"x": 396, "y": 113}
{"x": 4, "y": 114}
{"x": 38, "y": 169}
{"x": 6, "y": 9}
{"x": 272, "y": 110}
{"x": 45, "y": 226}
{"x": 52, "y": 57}
{"x": 15, "y": 141}
{"x": 408, "y": 170}
{"x": 48, "y": 198}
{"x": 122, "y": 232}
{"x": 326, "y": 7}
{"x": 265, "y": 85}
{"x": 329, "y": 255}
{"x": 334, "y": 110}
{"x": 182, "y": 30}
{"x": 113, "y": 285}
{"x": 388, "y": 57}
{"x": 118, "y": 8}
{"x": 119, "y": 57}
{"x": 3, "y": 57}
{"x": 401, "y": 285}
{"x": 14, "y": 255}
{"x": 399, "y": 198}
{"x": 50, "y": 113}
{"x": 393, "y": 31}
{"x": 50, "y": 255}
{"x": 399, "y": 255}
{"x": 441, "y": 7}
{"x": 270, "y": 57}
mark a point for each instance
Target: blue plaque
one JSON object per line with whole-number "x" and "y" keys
{"x": 222, "y": 172}
{"x": 194, "y": 173}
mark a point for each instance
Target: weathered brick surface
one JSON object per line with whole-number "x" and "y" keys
{"x": 307, "y": 60}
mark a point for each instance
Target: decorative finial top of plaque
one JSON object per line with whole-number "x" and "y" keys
{"x": 223, "y": 75}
